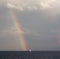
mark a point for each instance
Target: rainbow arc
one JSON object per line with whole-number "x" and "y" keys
{"x": 18, "y": 26}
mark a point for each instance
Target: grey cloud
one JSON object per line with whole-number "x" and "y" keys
{"x": 52, "y": 6}
{"x": 42, "y": 23}
{"x": 9, "y": 40}
{"x": 32, "y": 22}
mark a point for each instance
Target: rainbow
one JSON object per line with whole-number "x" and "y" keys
{"x": 18, "y": 26}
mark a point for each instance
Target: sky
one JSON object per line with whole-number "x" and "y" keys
{"x": 40, "y": 20}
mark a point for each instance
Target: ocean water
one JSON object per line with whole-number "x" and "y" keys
{"x": 29, "y": 54}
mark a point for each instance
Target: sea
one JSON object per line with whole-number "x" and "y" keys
{"x": 29, "y": 54}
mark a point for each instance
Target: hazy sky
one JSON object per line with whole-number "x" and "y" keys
{"x": 40, "y": 20}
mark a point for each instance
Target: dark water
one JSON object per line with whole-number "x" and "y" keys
{"x": 29, "y": 55}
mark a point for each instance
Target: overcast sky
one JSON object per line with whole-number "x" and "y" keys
{"x": 40, "y": 21}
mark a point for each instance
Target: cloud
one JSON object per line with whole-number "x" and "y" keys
{"x": 11, "y": 31}
{"x": 3, "y": 2}
{"x": 9, "y": 39}
{"x": 11, "y": 5}
{"x": 32, "y": 32}
{"x": 39, "y": 26}
{"x": 43, "y": 3}
{"x": 23, "y": 5}
{"x": 49, "y": 5}
{"x": 14, "y": 32}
